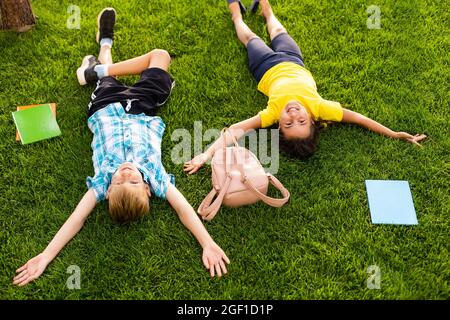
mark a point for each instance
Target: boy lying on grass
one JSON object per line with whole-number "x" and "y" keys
{"x": 126, "y": 150}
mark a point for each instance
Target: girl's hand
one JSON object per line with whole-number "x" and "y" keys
{"x": 31, "y": 270}
{"x": 196, "y": 163}
{"x": 214, "y": 259}
{"x": 410, "y": 138}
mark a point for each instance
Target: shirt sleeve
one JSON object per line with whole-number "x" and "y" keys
{"x": 330, "y": 111}
{"x": 268, "y": 116}
{"x": 99, "y": 184}
{"x": 159, "y": 182}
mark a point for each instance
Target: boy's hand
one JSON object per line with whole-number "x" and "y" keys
{"x": 410, "y": 138}
{"x": 214, "y": 259}
{"x": 196, "y": 163}
{"x": 31, "y": 270}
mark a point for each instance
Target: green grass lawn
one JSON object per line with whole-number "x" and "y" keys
{"x": 320, "y": 245}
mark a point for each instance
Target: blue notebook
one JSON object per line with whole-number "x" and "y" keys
{"x": 390, "y": 202}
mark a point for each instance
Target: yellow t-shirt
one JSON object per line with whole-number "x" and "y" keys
{"x": 289, "y": 81}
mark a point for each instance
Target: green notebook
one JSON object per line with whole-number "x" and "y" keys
{"x": 36, "y": 124}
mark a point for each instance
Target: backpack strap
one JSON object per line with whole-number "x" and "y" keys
{"x": 274, "y": 202}
{"x": 208, "y": 209}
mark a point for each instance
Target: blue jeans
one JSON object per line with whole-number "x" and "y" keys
{"x": 261, "y": 57}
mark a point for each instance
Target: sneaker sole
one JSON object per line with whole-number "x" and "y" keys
{"x": 97, "y": 37}
{"x": 81, "y": 69}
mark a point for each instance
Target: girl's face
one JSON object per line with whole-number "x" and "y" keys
{"x": 295, "y": 122}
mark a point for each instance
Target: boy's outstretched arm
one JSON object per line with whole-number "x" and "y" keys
{"x": 213, "y": 256}
{"x": 36, "y": 266}
{"x": 363, "y": 121}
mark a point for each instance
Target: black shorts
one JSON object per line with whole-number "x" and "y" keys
{"x": 146, "y": 96}
{"x": 261, "y": 57}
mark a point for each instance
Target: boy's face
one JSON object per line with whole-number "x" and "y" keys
{"x": 127, "y": 175}
{"x": 295, "y": 121}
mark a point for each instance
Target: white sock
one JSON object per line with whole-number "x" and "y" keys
{"x": 106, "y": 42}
{"x": 101, "y": 70}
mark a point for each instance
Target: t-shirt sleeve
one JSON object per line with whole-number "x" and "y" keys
{"x": 268, "y": 116}
{"x": 330, "y": 111}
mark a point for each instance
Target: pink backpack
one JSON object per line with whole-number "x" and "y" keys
{"x": 238, "y": 179}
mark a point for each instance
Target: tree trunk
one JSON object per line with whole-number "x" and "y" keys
{"x": 16, "y": 15}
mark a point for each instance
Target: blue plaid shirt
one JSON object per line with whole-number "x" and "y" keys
{"x": 121, "y": 137}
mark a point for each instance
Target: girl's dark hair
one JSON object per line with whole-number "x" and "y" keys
{"x": 300, "y": 148}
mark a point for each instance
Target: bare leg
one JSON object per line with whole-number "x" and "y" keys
{"x": 156, "y": 58}
{"x": 242, "y": 30}
{"x": 105, "y": 55}
{"x": 274, "y": 27}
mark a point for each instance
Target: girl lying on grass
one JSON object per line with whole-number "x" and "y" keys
{"x": 294, "y": 102}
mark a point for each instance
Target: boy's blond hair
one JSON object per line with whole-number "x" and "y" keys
{"x": 126, "y": 205}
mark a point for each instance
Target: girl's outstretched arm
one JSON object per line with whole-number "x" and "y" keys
{"x": 363, "y": 121}
{"x": 237, "y": 129}
{"x": 213, "y": 256}
{"x": 36, "y": 266}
